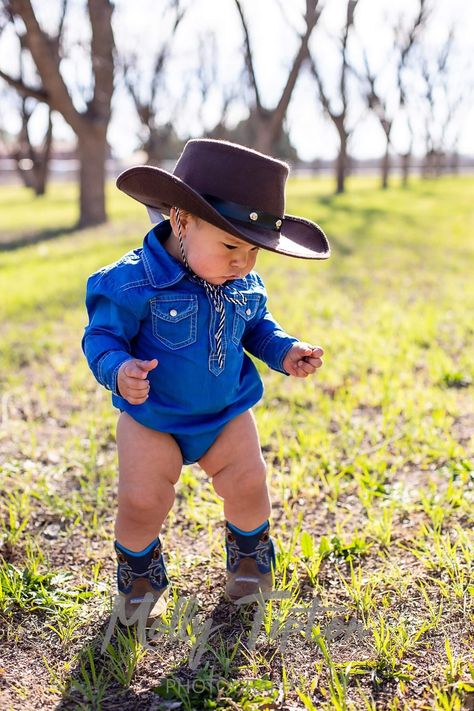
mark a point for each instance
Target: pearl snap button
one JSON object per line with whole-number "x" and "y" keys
{"x": 248, "y": 312}
{"x": 253, "y": 216}
{"x": 173, "y": 313}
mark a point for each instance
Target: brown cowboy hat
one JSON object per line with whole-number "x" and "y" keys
{"x": 234, "y": 188}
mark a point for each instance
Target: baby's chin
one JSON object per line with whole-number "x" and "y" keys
{"x": 217, "y": 281}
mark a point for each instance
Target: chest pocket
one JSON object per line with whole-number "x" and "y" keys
{"x": 244, "y": 314}
{"x": 174, "y": 319}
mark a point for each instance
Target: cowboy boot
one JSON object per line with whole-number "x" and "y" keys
{"x": 250, "y": 559}
{"x": 139, "y": 574}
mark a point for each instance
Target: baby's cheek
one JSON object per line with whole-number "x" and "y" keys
{"x": 252, "y": 261}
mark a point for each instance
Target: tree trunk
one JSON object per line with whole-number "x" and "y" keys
{"x": 340, "y": 172}
{"x": 90, "y": 126}
{"x": 454, "y": 162}
{"x": 41, "y": 160}
{"x": 406, "y": 160}
{"x": 386, "y": 165}
{"x": 439, "y": 163}
{"x": 341, "y": 162}
{"x": 92, "y": 152}
{"x": 267, "y": 134}
{"x": 25, "y": 173}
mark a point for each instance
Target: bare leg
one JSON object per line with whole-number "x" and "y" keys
{"x": 150, "y": 463}
{"x": 238, "y": 473}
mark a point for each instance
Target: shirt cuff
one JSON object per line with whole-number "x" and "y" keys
{"x": 108, "y": 368}
{"x": 288, "y": 347}
{"x": 274, "y": 351}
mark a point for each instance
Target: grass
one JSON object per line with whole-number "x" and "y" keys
{"x": 369, "y": 463}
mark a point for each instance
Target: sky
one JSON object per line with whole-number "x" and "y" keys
{"x": 273, "y": 28}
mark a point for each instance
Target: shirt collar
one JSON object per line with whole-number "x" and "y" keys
{"x": 161, "y": 268}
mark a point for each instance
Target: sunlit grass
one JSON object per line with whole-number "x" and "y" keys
{"x": 369, "y": 462}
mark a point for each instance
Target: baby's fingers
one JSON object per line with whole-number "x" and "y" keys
{"x": 315, "y": 362}
{"x": 136, "y": 400}
{"x": 137, "y": 397}
{"x": 133, "y": 371}
{"x": 138, "y": 386}
{"x": 305, "y": 367}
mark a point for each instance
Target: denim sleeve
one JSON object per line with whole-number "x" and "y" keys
{"x": 265, "y": 338}
{"x": 106, "y": 339}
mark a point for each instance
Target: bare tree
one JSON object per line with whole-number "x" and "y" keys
{"x": 339, "y": 118}
{"x": 407, "y": 41}
{"x": 268, "y": 123}
{"x": 443, "y": 97}
{"x": 159, "y": 140}
{"x": 211, "y": 86}
{"x": 90, "y": 125}
{"x": 375, "y": 98}
{"x": 220, "y": 130}
{"x": 406, "y": 156}
{"x": 377, "y": 103}
{"x": 32, "y": 161}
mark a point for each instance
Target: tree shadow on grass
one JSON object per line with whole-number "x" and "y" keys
{"x": 362, "y": 229}
{"x": 346, "y": 244}
{"x": 178, "y": 669}
{"x": 26, "y": 239}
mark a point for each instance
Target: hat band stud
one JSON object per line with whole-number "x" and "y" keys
{"x": 243, "y": 213}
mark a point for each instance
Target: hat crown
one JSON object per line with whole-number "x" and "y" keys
{"x": 232, "y": 172}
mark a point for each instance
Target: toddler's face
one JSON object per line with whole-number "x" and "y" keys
{"x": 215, "y": 255}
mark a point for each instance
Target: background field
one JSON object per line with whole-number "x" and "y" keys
{"x": 369, "y": 465}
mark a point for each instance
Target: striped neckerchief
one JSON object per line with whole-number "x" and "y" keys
{"x": 217, "y": 294}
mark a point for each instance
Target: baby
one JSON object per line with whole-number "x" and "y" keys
{"x": 169, "y": 324}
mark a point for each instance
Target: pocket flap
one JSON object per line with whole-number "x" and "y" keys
{"x": 173, "y": 307}
{"x": 249, "y": 309}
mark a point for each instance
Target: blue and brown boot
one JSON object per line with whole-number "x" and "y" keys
{"x": 250, "y": 559}
{"x": 139, "y": 573}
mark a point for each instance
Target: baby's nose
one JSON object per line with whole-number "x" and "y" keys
{"x": 239, "y": 260}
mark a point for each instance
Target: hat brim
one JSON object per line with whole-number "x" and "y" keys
{"x": 155, "y": 187}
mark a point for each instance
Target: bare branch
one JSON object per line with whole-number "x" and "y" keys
{"x": 311, "y": 16}
{"x": 102, "y": 47}
{"x": 323, "y": 97}
{"x": 351, "y": 6}
{"x": 282, "y": 8}
{"x": 165, "y": 50}
{"x": 345, "y": 67}
{"x": 44, "y": 51}
{"x": 249, "y": 57}
{"x": 62, "y": 18}
{"x": 443, "y": 57}
{"x": 408, "y": 42}
{"x": 24, "y": 89}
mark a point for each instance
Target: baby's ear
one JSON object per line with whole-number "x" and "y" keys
{"x": 173, "y": 220}
{"x": 188, "y": 217}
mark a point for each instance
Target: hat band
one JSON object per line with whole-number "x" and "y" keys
{"x": 243, "y": 213}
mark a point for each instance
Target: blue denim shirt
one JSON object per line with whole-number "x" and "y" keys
{"x": 145, "y": 305}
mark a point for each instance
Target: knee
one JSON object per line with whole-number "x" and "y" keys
{"x": 136, "y": 505}
{"x": 245, "y": 480}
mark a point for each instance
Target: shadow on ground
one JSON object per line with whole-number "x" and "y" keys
{"x": 26, "y": 239}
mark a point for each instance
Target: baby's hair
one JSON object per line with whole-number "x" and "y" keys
{"x": 188, "y": 214}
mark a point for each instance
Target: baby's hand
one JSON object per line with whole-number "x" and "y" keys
{"x": 131, "y": 379}
{"x": 302, "y": 360}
